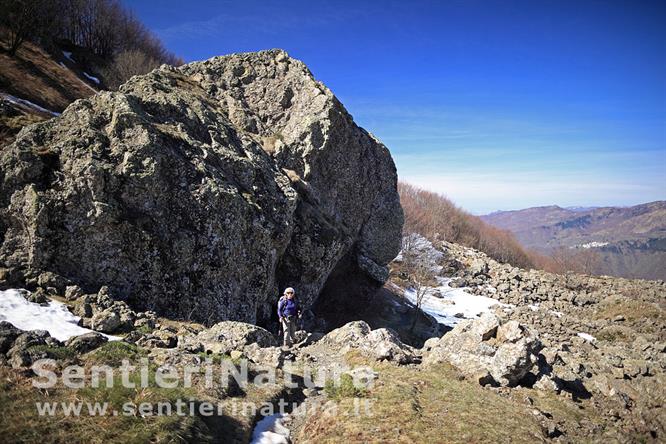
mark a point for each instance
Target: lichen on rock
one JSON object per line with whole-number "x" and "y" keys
{"x": 200, "y": 191}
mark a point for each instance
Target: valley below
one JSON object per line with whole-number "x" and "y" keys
{"x": 618, "y": 241}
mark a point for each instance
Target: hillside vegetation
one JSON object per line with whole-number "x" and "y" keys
{"x": 436, "y": 217}
{"x": 55, "y": 52}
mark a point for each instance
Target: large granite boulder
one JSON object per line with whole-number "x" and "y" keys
{"x": 200, "y": 191}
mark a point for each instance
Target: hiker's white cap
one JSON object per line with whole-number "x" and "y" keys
{"x": 289, "y": 290}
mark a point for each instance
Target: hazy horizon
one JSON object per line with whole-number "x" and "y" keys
{"x": 573, "y": 207}
{"x": 499, "y": 105}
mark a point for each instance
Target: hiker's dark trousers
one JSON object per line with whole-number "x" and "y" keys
{"x": 289, "y": 329}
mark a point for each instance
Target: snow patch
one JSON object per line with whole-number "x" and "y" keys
{"x": 587, "y": 337}
{"x": 423, "y": 248}
{"x": 18, "y": 101}
{"x": 271, "y": 430}
{"x": 452, "y": 302}
{"x": 593, "y": 245}
{"x": 89, "y": 77}
{"x": 53, "y": 317}
{"x": 68, "y": 56}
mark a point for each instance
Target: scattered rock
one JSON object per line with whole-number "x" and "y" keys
{"x": 73, "y": 292}
{"x": 20, "y": 354}
{"x": 226, "y": 336}
{"x": 54, "y": 280}
{"x": 381, "y": 344}
{"x": 267, "y": 356}
{"x": 8, "y": 334}
{"x": 478, "y": 267}
{"x": 476, "y": 348}
{"x": 106, "y": 321}
{"x": 86, "y": 342}
{"x": 351, "y": 334}
{"x": 145, "y": 323}
{"x": 38, "y": 296}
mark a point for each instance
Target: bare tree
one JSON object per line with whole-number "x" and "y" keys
{"x": 127, "y": 64}
{"x": 429, "y": 214}
{"x": 22, "y": 20}
{"x": 418, "y": 268}
{"x": 588, "y": 261}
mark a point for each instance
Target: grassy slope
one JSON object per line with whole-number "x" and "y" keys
{"x": 436, "y": 405}
{"x": 33, "y": 75}
{"x": 425, "y": 406}
{"x": 20, "y": 422}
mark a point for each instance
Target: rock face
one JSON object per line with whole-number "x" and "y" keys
{"x": 485, "y": 350}
{"x": 199, "y": 191}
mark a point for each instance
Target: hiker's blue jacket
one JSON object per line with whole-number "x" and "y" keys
{"x": 287, "y": 307}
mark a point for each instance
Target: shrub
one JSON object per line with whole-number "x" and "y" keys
{"x": 346, "y": 389}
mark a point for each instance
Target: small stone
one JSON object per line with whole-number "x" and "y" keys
{"x": 106, "y": 321}
{"x": 73, "y": 292}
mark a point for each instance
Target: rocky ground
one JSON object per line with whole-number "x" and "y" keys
{"x": 603, "y": 338}
{"x": 196, "y": 193}
{"x": 521, "y": 372}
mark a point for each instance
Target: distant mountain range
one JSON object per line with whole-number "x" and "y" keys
{"x": 631, "y": 241}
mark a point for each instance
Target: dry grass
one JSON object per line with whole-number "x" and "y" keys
{"x": 426, "y": 406}
{"x": 634, "y": 312}
{"x": 20, "y": 422}
{"x": 32, "y": 74}
{"x": 10, "y": 126}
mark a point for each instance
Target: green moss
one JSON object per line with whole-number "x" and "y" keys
{"x": 345, "y": 389}
{"x": 54, "y": 352}
{"x": 144, "y": 329}
{"x": 113, "y": 353}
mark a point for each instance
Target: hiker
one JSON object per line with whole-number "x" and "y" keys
{"x": 288, "y": 312}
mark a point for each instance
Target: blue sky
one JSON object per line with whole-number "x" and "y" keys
{"x": 495, "y": 104}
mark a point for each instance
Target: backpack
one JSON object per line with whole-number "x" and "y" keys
{"x": 281, "y": 300}
{"x": 279, "y": 303}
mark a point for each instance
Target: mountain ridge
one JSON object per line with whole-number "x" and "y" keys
{"x": 628, "y": 240}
